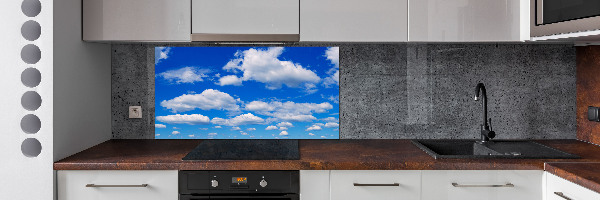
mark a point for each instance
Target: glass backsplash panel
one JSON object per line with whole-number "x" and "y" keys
{"x": 246, "y": 92}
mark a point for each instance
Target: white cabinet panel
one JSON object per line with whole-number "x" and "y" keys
{"x": 136, "y": 20}
{"x": 567, "y": 189}
{"x": 354, "y": 20}
{"x": 438, "y": 185}
{"x": 343, "y": 185}
{"x": 468, "y": 20}
{"x": 162, "y": 185}
{"x": 245, "y": 16}
{"x": 314, "y": 184}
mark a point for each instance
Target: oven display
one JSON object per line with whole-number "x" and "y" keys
{"x": 239, "y": 180}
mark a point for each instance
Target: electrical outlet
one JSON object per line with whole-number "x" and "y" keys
{"x": 135, "y": 112}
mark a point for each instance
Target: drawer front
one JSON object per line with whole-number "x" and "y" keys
{"x": 482, "y": 184}
{"x": 566, "y": 190}
{"x": 408, "y": 184}
{"x": 161, "y": 185}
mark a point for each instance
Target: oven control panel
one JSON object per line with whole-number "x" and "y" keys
{"x": 224, "y": 182}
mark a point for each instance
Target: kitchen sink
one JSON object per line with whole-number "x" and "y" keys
{"x": 441, "y": 149}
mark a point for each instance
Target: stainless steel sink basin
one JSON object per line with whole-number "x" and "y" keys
{"x": 494, "y": 149}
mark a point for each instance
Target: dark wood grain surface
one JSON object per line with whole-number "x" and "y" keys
{"x": 588, "y": 92}
{"x": 584, "y": 174}
{"x": 314, "y": 155}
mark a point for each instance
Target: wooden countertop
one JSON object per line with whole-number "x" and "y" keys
{"x": 314, "y": 155}
{"x": 581, "y": 173}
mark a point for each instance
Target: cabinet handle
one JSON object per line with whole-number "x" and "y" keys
{"x": 362, "y": 184}
{"x": 94, "y": 185}
{"x": 505, "y": 185}
{"x": 560, "y": 194}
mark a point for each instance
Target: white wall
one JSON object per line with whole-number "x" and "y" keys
{"x": 24, "y": 177}
{"x": 82, "y": 84}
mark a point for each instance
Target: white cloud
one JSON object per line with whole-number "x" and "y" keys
{"x": 332, "y": 125}
{"x": 156, "y": 135}
{"x": 192, "y": 119}
{"x": 263, "y": 65}
{"x": 251, "y": 129}
{"x": 330, "y": 119}
{"x": 175, "y": 127}
{"x": 203, "y": 129}
{"x": 184, "y": 75}
{"x": 283, "y": 133}
{"x": 283, "y": 128}
{"x": 235, "y": 128}
{"x": 285, "y": 124}
{"x": 207, "y": 100}
{"x": 175, "y": 132}
{"x": 323, "y": 137}
{"x": 271, "y": 128}
{"x": 288, "y": 111}
{"x": 217, "y": 127}
{"x": 333, "y": 55}
{"x": 311, "y": 134}
{"x": 243, "y": 133}
{"x": 244, "y": 119}
{"x": 160, "y": 126}
{"x": 191, "y": 135}
{"x": 161, "y": 53}
{"x": 230, "y": 80}
{"x": 212, "y": 134}
{"x": 314, "y": 127}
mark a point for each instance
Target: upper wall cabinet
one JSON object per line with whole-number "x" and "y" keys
{"x": 136, "y": 20}
{"x": 353, "y": 20}
{"x": 245, "y": 20}
{"x": 468, "y": 20}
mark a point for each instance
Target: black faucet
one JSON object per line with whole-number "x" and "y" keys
{"x": 486, "y": 129}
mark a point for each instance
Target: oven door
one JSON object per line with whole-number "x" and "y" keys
{"x": 237, "y": 197}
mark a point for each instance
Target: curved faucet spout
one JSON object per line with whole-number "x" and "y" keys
{"x": 486, "y": 133}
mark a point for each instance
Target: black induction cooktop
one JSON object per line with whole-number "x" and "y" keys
{"x": 245, "y": 150}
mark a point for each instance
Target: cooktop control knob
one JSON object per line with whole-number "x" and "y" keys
{"x": 214, "y": 183}
{"x": 263, "y": 183}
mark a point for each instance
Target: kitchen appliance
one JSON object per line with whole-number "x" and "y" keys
{"x": 234, "y": 185}
{"x": 564, "y": 17}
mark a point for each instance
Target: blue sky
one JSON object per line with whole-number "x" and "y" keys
{"x": 247, "y": 92}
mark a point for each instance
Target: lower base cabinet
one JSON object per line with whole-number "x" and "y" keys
{"x": 482, "y": 184}
{"x": 560, "y": 189}
{"x": 117, "y": 185}
{"x": 375, "y": 185}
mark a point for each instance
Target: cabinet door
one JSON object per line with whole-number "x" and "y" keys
{"x": 468, "y": 20}
{"x": 245, "y": 17}
{"x": 354, "y": 20}
{"x": 117, "y": 185}
{"x": 136, "y": 20}
{"x": 561, "y": 189}
{"x": 482, "y": 184}
{"x": 375, "y": 185}
{"x": 314, "y": 185}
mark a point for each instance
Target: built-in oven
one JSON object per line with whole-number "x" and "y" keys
{"x": 553, "y": 17}
{"x": 235, "y": 185}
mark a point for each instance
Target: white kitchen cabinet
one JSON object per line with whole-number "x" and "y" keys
{"x": 314, "y": 184}
{"x": 244, "y": 20}
{"x": 482, "y": 184}
{"x": 561, "y": 189}
{"x": 354, "y": 20}
{"x": 379, "y": 184}
{"x": 136, "y": 20}
{"x": 468, "y": 20}
{"x": 117, "y": 185}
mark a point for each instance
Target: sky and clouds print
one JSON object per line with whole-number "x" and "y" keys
{"x": 247, "y": 92}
